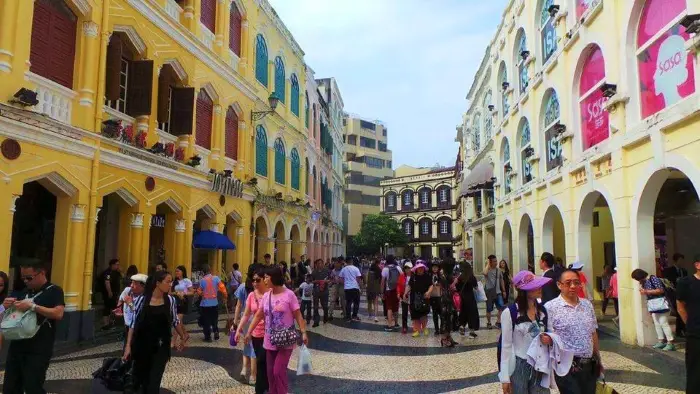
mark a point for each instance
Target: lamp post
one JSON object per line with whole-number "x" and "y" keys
{"x": 386, "y": 249}
{"x": 273, "y": 100}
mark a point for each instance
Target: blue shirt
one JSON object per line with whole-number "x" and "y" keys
{"x": 242, "y": 296}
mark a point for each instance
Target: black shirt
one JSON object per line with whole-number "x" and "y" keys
{"x": 688, "y": 291}
{"x": 551, "y": 291}
{"x": 114, "y": 278}
{"x": 51, "y": 296}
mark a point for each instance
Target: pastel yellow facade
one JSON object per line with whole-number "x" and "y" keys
{"x": 147, "y": 130}
{"x": 587, "y": 114}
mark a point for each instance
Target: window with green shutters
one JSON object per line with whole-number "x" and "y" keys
{"x": 260, "y": 151}
{"x": 279, "y": 79}
{"x": 261, "y": 60}
{"x": 294, "y": 100}
{"x": 296, "y": 164}
{"x": 280, "y": 157}
{"x": 307, "y": 114}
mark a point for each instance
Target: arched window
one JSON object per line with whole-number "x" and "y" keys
{"x": 444, "y": 226}
{"x": 666, "y": 71}
{"x": 231, "y": 134}
{"x": 52, "y": 52}
{"x": 308, "y": 175}
{"x": 235, "y": 28}
{"x": 408, "y": 227}
{"x": 594, "y": 119}
{"x": 280, "y": 79}
{"x": 547, "y": 32}
{"x": 205, "y": 114}
{"x": 314, "y": 182}
{"x": 525, "y": 148}
{"x": 521, "y": 56}
{"x": 390, "y": 202}
{"x": 504, "y": 85}
{"x": 425, "y": 225}
{"x": 505, "y": 159}
{"x": 407, "y": 199}
{"x": 307, "y": 112}
{"x": 260, "y": 151}
{"x": 296, "y": 163}
{"x": 443, "y": 195}
{"x": 294, "y": 100}
{"x": 280, "y": 158}
{"x": 488, "y": 116}
{"x": 261, "y": 60}
{"x": 425, "y": 198}
{"x": 313, "y": 121}
{"x": 551, "y": 120}
{"x": 476, "y": 132}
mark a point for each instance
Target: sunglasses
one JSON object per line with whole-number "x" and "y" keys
{"x": 569, "y": 283}
{"x": 28, "y": 278}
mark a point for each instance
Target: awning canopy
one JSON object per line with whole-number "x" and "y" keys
{"x": 480, "y": 175}
{"x": 211, "y": 240}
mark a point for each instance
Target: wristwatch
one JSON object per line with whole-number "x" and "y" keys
{"x": 33, "y": 308}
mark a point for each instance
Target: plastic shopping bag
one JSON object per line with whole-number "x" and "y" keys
{"x": 304, "y": 361}
{"x": 480, "y": 293}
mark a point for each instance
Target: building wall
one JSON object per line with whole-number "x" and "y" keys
{"x": 633, "y": 154}
{"x": 355, "y": 191}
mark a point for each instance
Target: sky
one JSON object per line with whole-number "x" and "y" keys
{"x": 408, "y": 63}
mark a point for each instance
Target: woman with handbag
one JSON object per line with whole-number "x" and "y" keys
{"x": 653, "y": 288}
{"x": 251, "y": 306}
{"x": 466, "y": 284}
{"x": 418, "y": 286}
{"x": 279, "y": 308}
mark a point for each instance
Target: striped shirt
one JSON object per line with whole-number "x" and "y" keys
{"x": 138, "y": 307}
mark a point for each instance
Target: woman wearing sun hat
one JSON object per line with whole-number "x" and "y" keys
{"x": 516, "y": 375}
{"x": 418, "y": 285}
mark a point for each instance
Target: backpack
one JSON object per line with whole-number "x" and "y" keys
{"x": 393, "y": 279}
{"x": 21, "y": 325}
{"x": 513, "y": 308}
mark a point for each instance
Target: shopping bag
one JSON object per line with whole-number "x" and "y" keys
{"x": 232, "y": 338}
{"x": 603, "y": 388}
{"x": 304, "y": 361}
{"x": 480, "y": 293}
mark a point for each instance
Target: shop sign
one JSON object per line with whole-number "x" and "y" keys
{"x": 227, "y": 185}
{"x": 158, "y": 221}
{"x": 554, "y": 149}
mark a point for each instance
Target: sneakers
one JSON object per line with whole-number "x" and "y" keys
{"x": 388, "y": 329}
{"x": 425, "y": 331}
{"x": 659, "y": 345}
{"x": 669, "y": 347}
{"x": 489, "y": 326}
{"x": 376, "y": 320}
{"x": 461, "y": 331}
{"x": 415, "y": 334}
{"x": 472, "y": 335}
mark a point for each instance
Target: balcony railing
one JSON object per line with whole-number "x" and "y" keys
{"x": 234, "y": 59}
{"x": 207, "y": 36}
{"x": 55, "y": 101}
{"x": 114, "y": 114}
{"x": 173, "y": 9}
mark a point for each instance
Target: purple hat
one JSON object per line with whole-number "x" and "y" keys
{"x": 419, "y": 264}
{"x": 526, "y": 280}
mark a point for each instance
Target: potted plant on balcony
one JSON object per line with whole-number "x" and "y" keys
{"x": 112, "y": 128}
{"x": 140, "y": 140}
{"x": 128, "y": 135}
{"x": 194, "y": 161}
{"x": 169, "y": 149}
{"x": 180, "y": 154}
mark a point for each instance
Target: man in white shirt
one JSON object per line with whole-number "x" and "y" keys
{"x": 351, "y": 277}
{"x": 128, "y": 296}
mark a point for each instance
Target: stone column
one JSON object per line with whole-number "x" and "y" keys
{"x": 270, "y": 165}
{"x": 288, "y": 174}
{"x": 180, "y": 244}
{"x": 245, "y": 49}
{"x": 191, "y": 13}
{"x": 146, "y": 238}
{"x": 216, "y": 255}
{"x": 285, "y": 250}
{"x": 217, "y": 138}
{"x": 6, "y": 231}
{"x": 242, "y": 150}
{"x": 8, "y": 28}
{"x": 75, "y": 256}
{"x": 223, "y": 10}
{"x": 136, "y": 242}
{"x": 89, "y": 66}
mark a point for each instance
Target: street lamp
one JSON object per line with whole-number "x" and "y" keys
{"x": 273, "y": 100}
{"x": 386, "y": 248}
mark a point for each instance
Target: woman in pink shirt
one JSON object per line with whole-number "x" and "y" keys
{"x": 280, "y": 308}
{"x": 613, "y": 295}
{"x": 258, "y": 375}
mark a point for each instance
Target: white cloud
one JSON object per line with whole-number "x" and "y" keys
{"x": 407, "y": 62}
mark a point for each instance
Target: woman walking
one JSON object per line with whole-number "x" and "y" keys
{"x": 505, "y": 271}
{"x": 150, "y": 333}
{"x": 182, "y": 289}
{"x": 516, "y": 375}
{"x": 249, "y": 364}
{"x": 258, "y": 378}
{"x": 402, "y": 290}
{"x": 434, "y": 294}
{"x": 418, "y": 286}
{"x": 374, "y": 279}
{"x": 465, "y": 284}
{"x": 608, "y": 272}
{"x": 279, "y": 308}
{"x": 653, "y": 288}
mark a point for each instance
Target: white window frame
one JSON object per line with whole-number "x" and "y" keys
{"x": 390, "y": 200}
{"x": 407, "y": 198}
{"x": 425, "y": 227}
{"x": 424, "y": 197}
{"x": 443, "y": 227}
{"x": 120, "y": 103}
{"x": 408, "y": 228}
{"x": 443, "y": 195}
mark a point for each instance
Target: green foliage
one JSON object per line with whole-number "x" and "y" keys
{"x": 378, "y": 230}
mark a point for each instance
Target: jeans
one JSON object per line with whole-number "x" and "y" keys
{"x": 436, "y": 305}
{"x": 352, "y": 302}
{"x": 577, "y": 381}
{"x": 306, "y": 310}
{"x": 277, "y": 361}
{"x": 337, "y": 296}
{"x": 692, "y": 365}
{"x": 25, "y": 372}
{"x": 404, "y": 315}
{"x": 261, "y": 383}
{"x": 663, "y": 329}
{"x": 321, "y": 298}
{"x": 210, "y": 320}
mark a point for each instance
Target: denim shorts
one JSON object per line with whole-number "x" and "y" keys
{"x": 498, "y": 302}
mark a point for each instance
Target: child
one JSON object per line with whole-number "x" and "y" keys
{"x": 306, "y": 290}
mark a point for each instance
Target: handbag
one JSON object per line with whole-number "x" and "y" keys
{"x": 21, "y": 325}
{"x": 659, "y": 304}
{"x": 480, "y": 293}
{"x": 457, "y": 298}
{"x": 419, "y": 304}
{"x": 282, "y": 337}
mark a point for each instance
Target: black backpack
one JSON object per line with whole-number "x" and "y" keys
{"x": 513, "y": 308}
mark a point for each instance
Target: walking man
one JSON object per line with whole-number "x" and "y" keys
{"x": 495, "y": 288}
{"x": 338, "y": 295}
{"x": 110, "y": 281}
{"x": 209, "y": 287}
{"x": 320, "y": 276}
{"x": 673, "y": 273}
{"x": 28, "y": 359}
{"x": 547, "y": 265}
{"x": 688, "y": 304}
{"x": 351, "y": 277}
{"x": 390, "y": 280}
{"x": 126, "y": 299}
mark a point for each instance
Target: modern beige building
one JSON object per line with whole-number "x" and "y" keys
{"x": 423, "y": 200}
{"x": 367, "y": 162}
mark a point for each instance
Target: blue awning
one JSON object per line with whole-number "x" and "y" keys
{"x": 211, "y": 240}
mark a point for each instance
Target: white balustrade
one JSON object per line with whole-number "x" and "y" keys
{"x": 204, "y": 155}
{"x": 55, "y": 100}
{"x": 126, "y": 119}
{"x": 173, "y": 9}
{"x": 207, "y": 36}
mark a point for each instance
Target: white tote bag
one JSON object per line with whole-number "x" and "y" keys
{"x": 480, "y": 293}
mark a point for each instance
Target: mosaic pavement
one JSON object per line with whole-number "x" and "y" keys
{"x": 359, "y": 357}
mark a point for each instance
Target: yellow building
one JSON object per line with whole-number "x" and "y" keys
{"x": 367, "y": 162}
{"x": 423, "y": 201}
{"x": 588, "y": 111}
{"x": 152, "y": 121}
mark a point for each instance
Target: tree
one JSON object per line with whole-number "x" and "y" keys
{"x": 378, "y": 230}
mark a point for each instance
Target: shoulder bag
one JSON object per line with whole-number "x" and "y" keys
{"x": 21, "y": 325}
{"x": 282, "y": 337}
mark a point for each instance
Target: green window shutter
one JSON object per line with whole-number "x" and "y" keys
{"x": 261, "y": 60}
{"x": 260, "y": 151}
{"x": 279, "y": 161}
{"x": 295, "y": 169}
{"x": 279, "y": 79}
